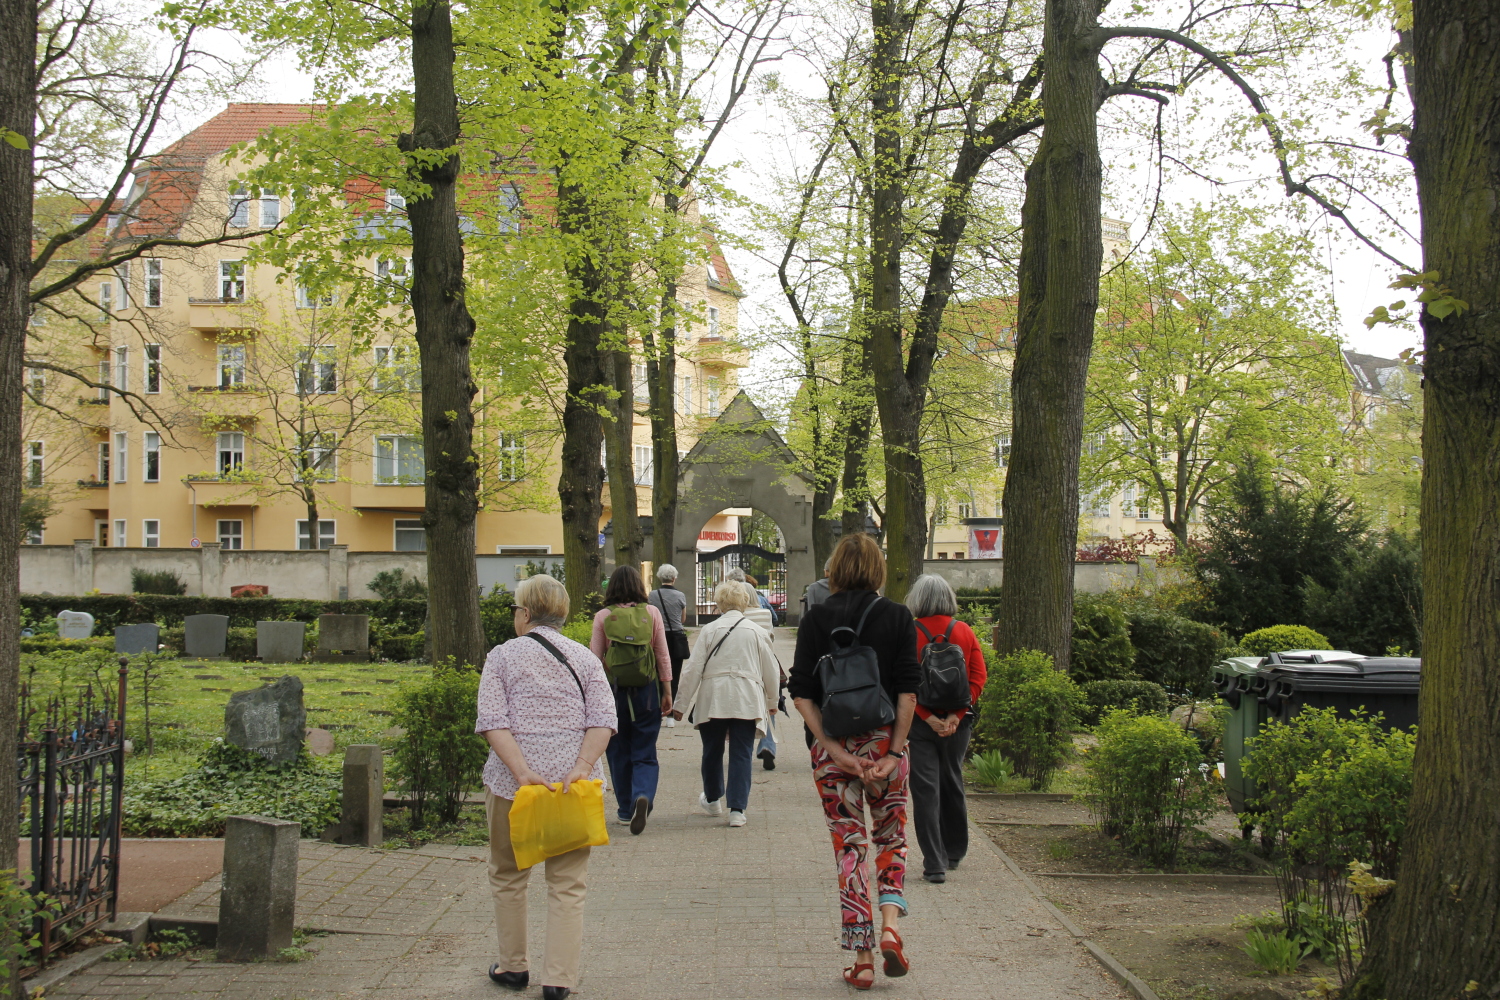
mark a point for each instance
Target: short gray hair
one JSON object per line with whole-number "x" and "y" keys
{"x": 666, "y": 573}
{"x": 731, "y": 595}
{"x": 735, "y": 573}
{"x": 930, "y": 595}
{"x": 545, "y": 599}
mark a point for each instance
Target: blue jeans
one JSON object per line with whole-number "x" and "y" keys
{"x": 633, "y": 768}
{"x": 740, "y": 734}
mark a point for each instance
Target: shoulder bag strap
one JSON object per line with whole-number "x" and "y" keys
{"x": 868, "y": 608}
{"x": 918, "y": 623}
{"x": 947, "y": 632}
{"x": 721, "y": 642}
{"x": 563, "y": 660}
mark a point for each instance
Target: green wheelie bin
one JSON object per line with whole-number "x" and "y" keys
{"x": 1234, "y": 683}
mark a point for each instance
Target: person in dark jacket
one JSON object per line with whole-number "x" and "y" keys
{"x": 940, "y": 740}
{"x": 868, "y": 768}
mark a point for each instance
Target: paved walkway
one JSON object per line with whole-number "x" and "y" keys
{"x": 690, "y": 908}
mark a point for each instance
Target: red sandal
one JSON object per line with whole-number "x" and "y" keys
{"x": 851, "y": 975}
{"x": 894, "y": 954}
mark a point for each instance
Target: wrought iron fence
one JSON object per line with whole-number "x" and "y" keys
{"x": 70, "y": 758}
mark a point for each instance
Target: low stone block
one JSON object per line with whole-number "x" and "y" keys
{"x": 280, "y": 642}
{"x": 134, "y": 639}
{"x": 269, "y": 720}
{"x": 362, "y": 812}
{"x": 205, "y": 635}
{"x": 132, "y": 928}
{"x": 257, "y": 906}
{"x": 75, "y": 625}
{"x": 343, "y": 637}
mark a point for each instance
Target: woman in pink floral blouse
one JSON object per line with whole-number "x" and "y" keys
{"x": 547, "y": 712}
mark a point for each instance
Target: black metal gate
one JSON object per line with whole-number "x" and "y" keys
{"x": 768, "y": 568}
{"x": 71, "y": 765}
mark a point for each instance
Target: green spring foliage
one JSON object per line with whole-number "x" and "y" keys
{"x": 1279, "y": 638}
{"x": 1028, "y": 712}
{"x": 440, "y": 759}
{"x": 1273, "y": 951}
{"x": 1101, "y": 641}
{"x": 157, "y": 581}
{"x": 395, "y": 585}
{"x": 991, "y": 768}
{"x": 1136, "y": 697}
{"x": 1149, "y": 784}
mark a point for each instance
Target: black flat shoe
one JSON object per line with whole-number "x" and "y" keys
{"x": 953, "y": 863}
{"x": 935, "y": 877}
{"x": 637, "y": 824}
{"x": 511, "y": 980}
{"x": 767, "y": 760}
{"x": 556, "y": 992}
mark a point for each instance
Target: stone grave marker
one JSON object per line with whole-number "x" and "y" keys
{"x": 362, "y": 812}
{"x": 205, "y": 635}
{"x": 269, "y": 720}
{"x": 259, "y": 898}
{"x": 280, "y": 642}
{"x": 132, "y": 639}
{"x": 75, "y": 625}
{"x": 343, "y": 637}
{"x": 319, "y": 742}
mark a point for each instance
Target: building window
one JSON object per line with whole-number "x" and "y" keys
{"x": 153, "y": 283}
{"x": 325, "y": 535}
{"x": 645, "y": 467}
{"x": 711, "y": 394}
{"x": 307, "y": 300}
{"x": 687, "y": 394}
{"x": 231, "y": 534}
{"x": 713, "y": 322}
{"x": 512, "y": 466}
{"x": 1002, "y": 450}
{"x": 231, "y": 452}
{"x": 395, "y": 369}
{"x": 103, "y": 475}
{"x": 151, "y": 534}
{"x": 122, "y": 368}
{"x": 940, "y": 513}
{"x": 239, "y": 207}
{"x": 713, "y": 271}
{"x": 393, "y": 269}
{"x": 231, "y": 280}
{"x": 317, "y": 370}
{"x": 34, "y": 463}
{"x": 270, "y": 209}
{"x": 121, "y": 447}
{"x": 153, "y": 368}
{"x": 152, "y": 448}
{"x": 122, "y": 272}
{"x": 410, "y": 536}
{"x": 106, "y": 299}
{"x": 638, "y": 380}
{"x": 1143, "y": 506}
{"x": 231, "y": 365}
{"x": 34, "y": 536}
{"x": 120, "y": 533}
{"x": 510, "y": 208}
{"x": 317, "y": 457}
{"x": 399, "y": 460}
{"x": 395, "y": 201}
{"x": 965, "y": 511}
{"x": 36, "y": 382}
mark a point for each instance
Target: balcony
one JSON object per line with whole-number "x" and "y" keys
{"x": 396, "y": 497}
{"x": 218, "y": 314}
{"x": 718, "y": 351}
{"x": 211, "y": 491}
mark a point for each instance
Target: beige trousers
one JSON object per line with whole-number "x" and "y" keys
{"x": 566, "y": 887}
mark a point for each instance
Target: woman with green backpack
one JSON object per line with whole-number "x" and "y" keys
{"x": 631, "y": 639}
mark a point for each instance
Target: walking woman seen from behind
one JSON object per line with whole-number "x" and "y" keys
{"x": 547, "y": 713}
{"x": 860, "y": 768}
{"x": 953, "y": 675}
{"x": 729, "y": 689}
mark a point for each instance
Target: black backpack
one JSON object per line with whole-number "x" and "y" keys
{"x": 945, "y": 673}
{"x": 854, "y": 700}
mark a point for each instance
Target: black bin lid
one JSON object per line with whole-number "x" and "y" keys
{"x": 1363, "y": 674}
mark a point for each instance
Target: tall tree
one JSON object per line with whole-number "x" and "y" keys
{"x": 1439, "y": 933}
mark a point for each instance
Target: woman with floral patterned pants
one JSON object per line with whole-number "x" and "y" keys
{"x": 868, "y": 768}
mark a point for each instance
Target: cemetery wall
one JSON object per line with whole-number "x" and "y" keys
{"x": 1088, "y": 577}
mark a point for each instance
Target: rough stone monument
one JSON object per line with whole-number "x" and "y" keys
{"x": 362, "y": 816}
{"x": 258, "y": 903}
{"x": 280, "y": 642}
{"x": 132, "y": 639}
{"x": 343, "y": 638}
{"x": 269, "y": 720}
{"x": 205, "y": 635}
{"x": 75, "y": 625}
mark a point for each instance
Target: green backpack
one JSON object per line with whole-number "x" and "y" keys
{"x": 629, "y": 661}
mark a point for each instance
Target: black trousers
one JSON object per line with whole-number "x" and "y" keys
{"x": 938, "y": 808}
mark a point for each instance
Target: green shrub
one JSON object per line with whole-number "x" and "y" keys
{"x": 1172, "y": 650}
{"x": 157, "y": 581}
{"x": 395, "y": 585}
{"x": 229, "y": 781}
{"x": 441, "y": 758}
{"x": 1138, "y": 697}
{"x": 991, "y": 768}
{"x": 110, "y": 610}
{"x": 496, "y": 616}
{"x": 1148, "y": 783}
{"x": 1274, "y": 952}
{"x": 1028, "y": 711}
{"x": 1279, "y": 638}
{"x": 1101, "y": 641}
{"x": 52, "y": 644}
{"x": 1379, "y": 602}
{"x": 580, "y": 628}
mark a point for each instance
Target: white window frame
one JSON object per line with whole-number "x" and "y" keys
{"x": 120, "y": 540}
{"x": 103, "y": 459}
{"x": 327, "y": 531}
{"x": 392, "y": 457}
{"x": 712, "y": 269}
{"x": 106, "y": 299}
{"x": 151, "y": 368}
{"x": 687, "y": 394}
{"x": 272, "y": 217}
{"x": 122, "y": 454}
{"x": 36, "y": 463}
{"x": 306, "y": 299}
{"x": 639, "y": 378}
{"x": 509, "y": 216}
{"x": 1002, "y": 451}
{"x": 393, "y": 368}
{"x": 511, "y": 467}
{"x": 150, "y": 533}
{"x": 153, "y": 298}
{"x": 645, "y": 465}
{"x": 36, "y": 381}
{"x": 232, "y": 281}
{"x": 713, "y": 322}
{"x": 394, "y": 269}
{"x": 712, "y": 389}
{"x": 122, "y": 276}
{"x": 122, "y": 367}
{"x": 408, "y": 525}
{"x": 35, "y": 536}
{"x": 317, "y": 370}
{"x": 229, "y": 452}
{"x": 239, "y": 208}
{"x": 231, "y": 365}
{"x": 151, "y": 457}
{"x": 395, "y": 201}
{"x": 231, "y": 541}
{"x": 313, "y": 451}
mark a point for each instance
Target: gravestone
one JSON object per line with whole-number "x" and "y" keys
{"x": 361, "y": 820}
{"x": 343, "y": 637}
{"x": 132, "y": 639}
{"x": 280, "y": 642}
{"x": 259, "y": 897}
{"x": 319, "y": 742}
{"x": 269, "y": 720}
{"x": 205, "y": 635}
{"x": 75, "y": 625}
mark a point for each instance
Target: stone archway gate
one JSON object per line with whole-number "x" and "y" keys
{"x": 741, "y": 461}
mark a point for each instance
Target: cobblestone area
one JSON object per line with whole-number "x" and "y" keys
{"x": 690, "y": 908}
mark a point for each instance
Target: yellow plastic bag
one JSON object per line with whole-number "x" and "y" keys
{"x": 545, "y": 823}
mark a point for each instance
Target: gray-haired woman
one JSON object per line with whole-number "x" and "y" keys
{"x": 672, "y": 603}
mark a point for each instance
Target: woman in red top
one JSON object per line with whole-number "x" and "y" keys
{"x": 939, "y": 741}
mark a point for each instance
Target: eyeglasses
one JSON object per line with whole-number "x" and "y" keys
{"x": 519, "y": 607}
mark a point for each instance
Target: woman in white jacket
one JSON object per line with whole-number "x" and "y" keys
{"x": 728, "y": 689}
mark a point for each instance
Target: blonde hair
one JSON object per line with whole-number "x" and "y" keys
{"x": 545, "y": 599}
{"x": 732, "y": 595}
{"x": 856, "y": 564}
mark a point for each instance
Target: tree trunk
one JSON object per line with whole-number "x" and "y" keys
{"x": 18, "y": 27}
{"x": 661, "y": 376}
{"x": 1440, "y": 929}
{"x": 620, "y": 452}
{"x": 444, "y": 331}
{"x": 1061, "y": 251}
{"x": 854, "y": 484}
{"x": 580, "y": 480}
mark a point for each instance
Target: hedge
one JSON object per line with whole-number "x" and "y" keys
{"x": 1138, "y": 697}
{"x": 403, "y": 616}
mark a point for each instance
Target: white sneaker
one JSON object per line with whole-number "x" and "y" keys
{"x": 736, "y": 818}
{"x": 669, "y": 722}
{"x": 707, "y": 808}
{"x": 622, "y": 822}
